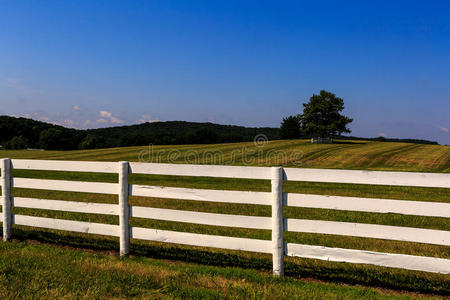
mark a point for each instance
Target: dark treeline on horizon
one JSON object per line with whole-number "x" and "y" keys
{"x": 23, "y": 133}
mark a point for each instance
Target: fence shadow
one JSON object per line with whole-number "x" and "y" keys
{"x": 349, "y": 142}
{"x": 395, "y": 279}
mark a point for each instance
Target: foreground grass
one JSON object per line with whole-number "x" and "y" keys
{"x": 29, "y": 270}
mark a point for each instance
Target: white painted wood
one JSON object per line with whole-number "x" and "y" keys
{"x": 201, "y": 170}
{"x": 369, "y": 177}
{"x": 277, "y": 221}
{"x": 201, "y": 240}
{"x": 201, "y": 217}
{"x": 60, "y": 165}
{"x": 417, "y": 208}
{"x": 124, "y": 212}
{"x": 409, "y": 262}
{"x": 407, "y": 234}
{"x": 67, "y": 225}
{"x": 65, "y": 185}
{"x": 6, "y": 197}
{"x": 241, "y": 197}
{"x": 62, "y": 205}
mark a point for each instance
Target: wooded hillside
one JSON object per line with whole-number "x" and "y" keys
{"x": 20, "y": 133}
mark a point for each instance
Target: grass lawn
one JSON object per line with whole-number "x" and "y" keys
{"x": 33, "y": 270}
{"x": 167, "y": 270}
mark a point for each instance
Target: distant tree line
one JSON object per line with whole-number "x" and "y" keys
{"x": 385, "y": 139}
{"x": 22, "y": 133}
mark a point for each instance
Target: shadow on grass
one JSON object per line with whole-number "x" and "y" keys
{"x": 349, "y": 142}
{"x": 378, "y": 277}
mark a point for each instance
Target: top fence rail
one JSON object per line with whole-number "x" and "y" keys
{"x": 436, "y": 180}
{"x": 439, "y": 180}
{"x": 60, "y": 165}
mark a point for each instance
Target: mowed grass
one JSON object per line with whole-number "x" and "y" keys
{"x": 366, "y": 155}
{"x": 358, "y": 155}
{"x": 30, "y": 270}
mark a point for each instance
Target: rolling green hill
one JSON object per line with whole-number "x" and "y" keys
{"x": 343, "y": 154}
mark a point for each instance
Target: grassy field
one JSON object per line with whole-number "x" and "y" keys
{"x": 31, "y": 270}
{"x": 189, "y": 272}
{"x": 298, "y": 153}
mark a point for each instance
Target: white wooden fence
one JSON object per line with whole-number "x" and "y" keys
{"x": 276, "y": 198}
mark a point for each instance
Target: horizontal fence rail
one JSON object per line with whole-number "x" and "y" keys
{"x": 65, "y": 185}
{"x": 410, "y": 262}
{"x": 240, "y": 197}
{"x": 406, "y": 234}
{"x": 417, "y": 208}
{"x": 67, "y": 225}
{"x": 276, "y": 199}
{"x": 368, "y": 177}
{"x": 201, "y": 217}
{"x": 201, "y": 170}
{"x": 69, "y": 166}
{"x": 202, "y": 240}
{"x": 64, "y": 205}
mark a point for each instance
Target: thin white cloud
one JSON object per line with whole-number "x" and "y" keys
{"x": 105, "y": 113}
{"x": 75, "y": 118}
{"x": 147, "y": 118}
{"x": 116, "y": 120}
{"x": 445, "y": 129}
{"x": 107, "y": 117}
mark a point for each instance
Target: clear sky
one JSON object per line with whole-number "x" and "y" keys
{"x": 88, "y": 64}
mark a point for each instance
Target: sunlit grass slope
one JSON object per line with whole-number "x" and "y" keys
{"x": 301, "y": 153}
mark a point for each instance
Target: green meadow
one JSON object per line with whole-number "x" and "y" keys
{"x": 43, "y": 263}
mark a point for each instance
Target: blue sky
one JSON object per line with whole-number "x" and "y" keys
{"x": 88, "y": 64}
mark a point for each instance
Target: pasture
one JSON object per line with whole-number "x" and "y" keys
{"x": 362, "y": 155}
{"x": 184, "y": 271}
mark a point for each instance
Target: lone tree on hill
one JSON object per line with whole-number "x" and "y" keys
{"x": 322, "y": 117}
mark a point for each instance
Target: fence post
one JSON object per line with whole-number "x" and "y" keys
{"x": 6, "y": 198}
{"x": 277, "y": 221}
{"x": 124, "y": 209}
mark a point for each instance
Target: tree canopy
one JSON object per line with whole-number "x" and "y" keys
{"x": 322, "y": 116}
{"x": 290, "y": 128}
